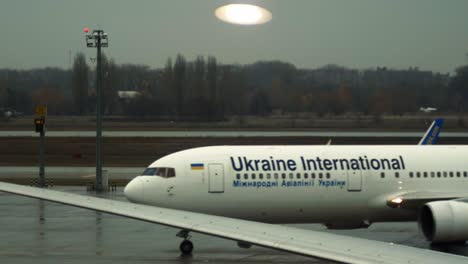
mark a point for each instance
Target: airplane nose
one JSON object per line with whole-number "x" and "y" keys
{"x": 134, "y": 190}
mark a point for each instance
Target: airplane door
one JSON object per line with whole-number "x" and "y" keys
{"x": 216, "y": 178}
{"x": 354, "y": 181}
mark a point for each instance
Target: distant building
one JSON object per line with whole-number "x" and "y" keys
{"x": 128, "y": 95}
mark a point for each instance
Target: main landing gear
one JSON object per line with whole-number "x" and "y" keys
{"x": 186, "y": 247}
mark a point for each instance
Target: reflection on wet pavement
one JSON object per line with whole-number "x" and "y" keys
{"x": 35, "y": 231}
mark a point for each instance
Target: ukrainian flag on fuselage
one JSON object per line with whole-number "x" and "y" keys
{"x": 197, "y": 166}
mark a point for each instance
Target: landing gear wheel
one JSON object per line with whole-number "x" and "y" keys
{"x": 186, "y": 248}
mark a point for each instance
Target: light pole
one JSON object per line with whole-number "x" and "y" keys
{"x": 98, "y": 39}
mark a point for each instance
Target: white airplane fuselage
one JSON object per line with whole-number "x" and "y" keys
{"x": 336, "y": 185}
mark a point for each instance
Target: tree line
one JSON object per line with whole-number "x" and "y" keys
{"x": 204, "y": 89}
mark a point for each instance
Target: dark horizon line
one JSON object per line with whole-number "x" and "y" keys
{"x": 409, "y": 68}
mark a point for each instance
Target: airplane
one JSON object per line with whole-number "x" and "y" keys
{"x": 427, "y": 109}
{"x": 340, "y": 186}
{"x": 9, "y": 113}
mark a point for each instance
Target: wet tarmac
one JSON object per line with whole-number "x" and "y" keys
{"x": 34, "y": 231}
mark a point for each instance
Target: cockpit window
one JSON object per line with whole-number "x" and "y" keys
{"x": 161, "y": 172}
{"x": 170, "y": 172}
{"x": 149, "y": 171}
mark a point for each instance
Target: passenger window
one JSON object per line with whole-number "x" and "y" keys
{"x": 268, "y": 176}
{"x": 238, "y": 176}
{"x": 418, "y": 174}
{"x": 260, "y": 176}
{"x": 411, "y": 174}
{"x": 451, "y": 174}
{"x": 439, "y": 174}
{"x": 425, "y": 174}
{"x": 382, "y": 175}
{"x": 306, "y": 176}
{"x": 283, "y": 175}
{"x": 397, "y": 175}
{"x": 276, "y": 176}
{"x": 246, "y": 176}
{"x": 291, "y": 176}
{"x": 458, "y": 174}
{"x": 298, "y": 175}
{"x": 445, "y": 174}
{"x": 465, "y": 174}
{"x": 253, "y": 176}
{"x": 313, "y": 176}
{"x": 432, "y": 174}
{"x": 328, "y": 175}
{"x": 320, "y": 175}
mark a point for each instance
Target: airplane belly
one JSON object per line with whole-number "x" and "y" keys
{"x": 285, "y": 205}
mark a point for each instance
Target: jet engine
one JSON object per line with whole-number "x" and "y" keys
{"x": 444, "y": 221}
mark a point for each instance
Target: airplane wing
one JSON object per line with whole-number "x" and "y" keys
{"x": 432, "y": 134}
{"x": 414, "y": 200}
{"x": 321, "y": 245}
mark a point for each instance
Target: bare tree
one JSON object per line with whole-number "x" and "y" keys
{"x": 199, "y": 76}
{"x": 109, "y": 89}
{"x": 51, "y": 96}
{"x": 3, "y": 94}
{"x": 80, "y": 83}
{"x": 459, "y": 88}
{"x": 179, "y": 79}
{"x": 212, "y": 76}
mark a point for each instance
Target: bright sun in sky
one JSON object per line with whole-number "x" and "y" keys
{"x": 243, "y": 14}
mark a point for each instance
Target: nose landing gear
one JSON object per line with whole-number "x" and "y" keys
{"x": 186, "y": 247}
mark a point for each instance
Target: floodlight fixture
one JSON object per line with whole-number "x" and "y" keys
{"x": 98, "y": 38}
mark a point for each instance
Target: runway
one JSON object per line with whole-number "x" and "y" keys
{"x": 221, "y": 134}
{"x": 44, "y": 232}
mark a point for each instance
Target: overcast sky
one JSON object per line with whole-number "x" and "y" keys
{"x": 430, "y": 34}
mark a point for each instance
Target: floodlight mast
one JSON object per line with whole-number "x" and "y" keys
{"x": 98, "y": 39}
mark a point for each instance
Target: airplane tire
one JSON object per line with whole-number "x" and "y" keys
{"x": 186, "y": 247}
